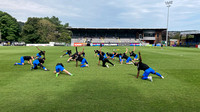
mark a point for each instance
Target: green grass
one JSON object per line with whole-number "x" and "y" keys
{"x": 98, "y": 89}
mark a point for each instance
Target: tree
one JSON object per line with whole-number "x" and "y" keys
{"x": 43, "y": 30}
{"x": 54, "y": 20}
{"x": 176, "y": 36}
{"x": 10, "y": 29}
{"x": 46, "y": 31}
{"x": 29, "y": 31}
{"x": 65, "y": 37}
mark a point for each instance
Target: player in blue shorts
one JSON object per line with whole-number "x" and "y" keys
{"x": 73, "y": 56}
{"x": 59, "y": 68}
{"x": 104, "y": 59}
{"x": 128, "y": 59}
{"x": 68, "y": 52}
{"x": 110, "y": 55}
{"x": 133, "y": 54}
{"x": 27, "y": 58}
{"x": 147, "y": 70}
{"x": 81, "y": 59}
{"x": 40, "y": 53}
{"x": 119, "y": 55}
{"x": 38, "y": 62}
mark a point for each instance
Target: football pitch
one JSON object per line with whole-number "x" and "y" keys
{"x": 100, "y": 89}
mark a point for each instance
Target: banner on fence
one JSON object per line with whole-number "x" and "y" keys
{"x": 79, "y": 44}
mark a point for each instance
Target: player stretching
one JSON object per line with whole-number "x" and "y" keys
{"x": 104, "y": 60}
{"x": 69, "y": 52}
{"x": 82, "y": 60}
{"x": 72, "y": 57}
{"x": 28, "y": 58}
{"x": 110, "y": 55}
{"x": 133, "y": 54}
{"x": 127, "y": 58}
{"x": 119, "y": 55}
{"x": 37, "y": 62}
{"x": 59, "y": 68}
{"x": 147, "y": 70}
{"x": 40, "y": 53}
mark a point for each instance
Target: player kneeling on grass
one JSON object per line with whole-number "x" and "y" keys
{"x": 38, "y": 62}
{"x": 81, "y": 59}
{"x": 147, "y": 70}
{"x": 133, "y": 54}
{"x": 104, "y": 60}
{"x": 119, "y": 55}
{"x": 127, "y": 58}
{"x": 40, "y": 53}
{"x": 72, "y": 57}
{"x": 28, "y": 58}
{"x": 60, "y": 68}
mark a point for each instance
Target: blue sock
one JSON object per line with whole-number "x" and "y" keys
{"x": 19, "y": 63}
{"x": 144, "y": 78}
{"x": 44, "y": 68}
{"x": 158, "y": 74}
{"x": 83, "y": 66}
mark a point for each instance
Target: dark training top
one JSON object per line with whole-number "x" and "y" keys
{"x": 125, "y": 56}
{"x": 101, "y": 57}
{"x": 69, "y": 51}
{"x": 41, "y": 60}
{"x": 74, "y": 55}
{"x": 117, "y": 55}
{"x": 41, "y": 53}
{"x": 79, "y": 58}
{"x": 60, "y": 64}
{"x": 27, "y": 57}
{"x": 109, "y": 54}
{"x": 142, "y": 66}
{"x": 96, "y": 51}
{"x": 132, "y": 54}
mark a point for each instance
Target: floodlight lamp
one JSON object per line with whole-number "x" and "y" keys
{"x": 169, "y": 3}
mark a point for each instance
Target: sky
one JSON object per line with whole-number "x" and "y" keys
{"x": 183, "y": 14}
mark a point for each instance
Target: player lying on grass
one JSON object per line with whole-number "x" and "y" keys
{"x": 68, "y": 52}
{"x": 40, "y": 53}
{"x": 103, "y": 58}
{"x": 38, "y": 62}
{"x": 133, "y": 54}
{"x": 27, "y": 58}
{"x": 147, "y": 70}
{"x": 73, "y": 56}
{"x": 110, "y": 55}
{"x": 126, "y": 57}
{"x": 81, "y": 59}
{"x": 59, "y": 68}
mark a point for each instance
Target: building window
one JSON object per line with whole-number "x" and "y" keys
{"x": 149, "y": 34}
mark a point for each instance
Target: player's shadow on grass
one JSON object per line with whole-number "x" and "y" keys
{"x": 134, "y": 75}
{"x": 88, "y": 96}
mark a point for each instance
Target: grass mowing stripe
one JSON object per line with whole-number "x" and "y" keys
{"x": 97, "y": 88}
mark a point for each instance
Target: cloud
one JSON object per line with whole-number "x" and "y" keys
{"x": 184, "y": 14}
{"x": 22, "y": 9}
